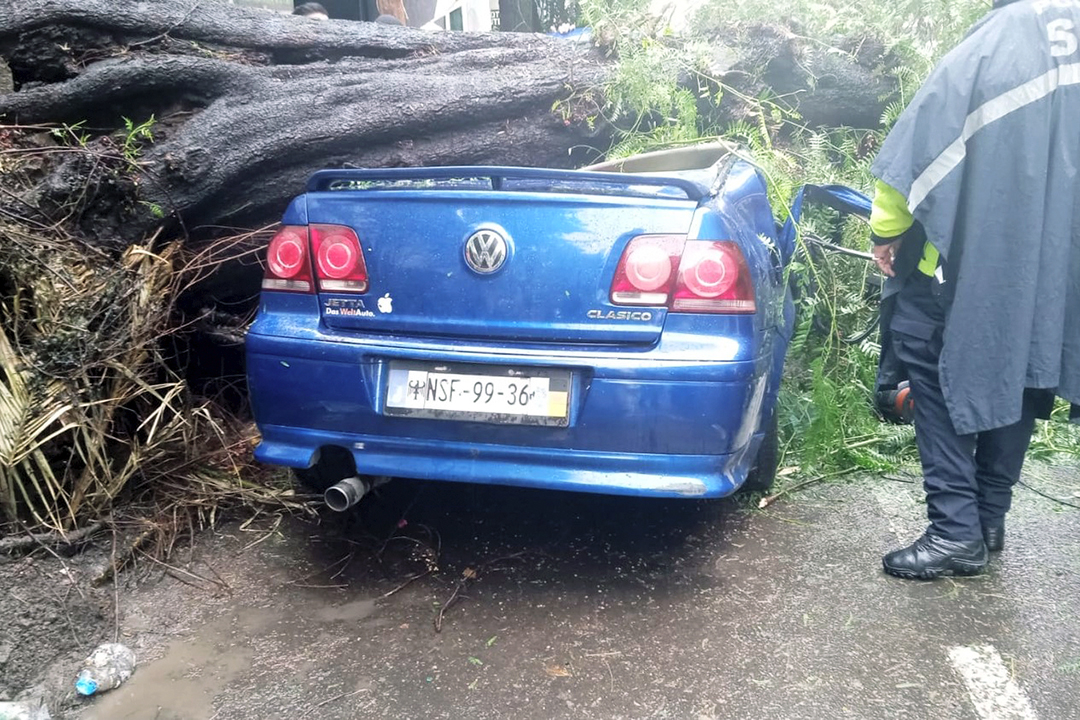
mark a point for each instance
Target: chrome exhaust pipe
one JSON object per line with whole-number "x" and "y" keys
{"x": 345, "y": 494}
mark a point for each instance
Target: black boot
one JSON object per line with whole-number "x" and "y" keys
{"x": 994, "y": 535}
{"x": 931, "y": 556}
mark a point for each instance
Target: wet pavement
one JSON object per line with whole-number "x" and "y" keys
{"x": 577, "y": 606}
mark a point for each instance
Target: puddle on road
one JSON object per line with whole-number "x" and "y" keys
{"x": 184, "y": 683}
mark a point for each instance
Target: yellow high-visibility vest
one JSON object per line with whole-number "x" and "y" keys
{"x": 890, "y": 217}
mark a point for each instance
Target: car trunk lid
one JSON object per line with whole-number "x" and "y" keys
{"x": 527, "y": 256}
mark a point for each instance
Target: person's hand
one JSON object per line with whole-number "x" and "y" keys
{"x": 884, "y": 255}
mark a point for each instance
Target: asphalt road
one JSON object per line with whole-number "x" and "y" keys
{"x": 578, "y": 606}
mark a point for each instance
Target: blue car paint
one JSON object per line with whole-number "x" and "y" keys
{"x": 548, "y": 308}
{"x": 671, "y": 406}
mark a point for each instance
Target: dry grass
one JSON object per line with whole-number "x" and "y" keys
{"x": 90, "y": 409}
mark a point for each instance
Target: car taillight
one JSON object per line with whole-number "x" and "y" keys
{"x": 288, "y": 266}
{"x": 339, "y": 261}
{"x": 693, "y": 276}
{"x": 646, "y": 271}
{"x": 713, "y": 278}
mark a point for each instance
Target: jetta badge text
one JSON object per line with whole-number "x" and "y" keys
{"x": 620, "y": 315}
{"x": 485, "y": 251}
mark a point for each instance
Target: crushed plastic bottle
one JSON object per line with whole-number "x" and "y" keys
{"x": 23, "y": 711}
{"x": 106, "y": 668}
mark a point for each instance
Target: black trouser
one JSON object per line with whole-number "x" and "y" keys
{"x": 968, "y": 478}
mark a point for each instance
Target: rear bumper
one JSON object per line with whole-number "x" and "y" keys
{"x": 640, "y": 423}
{"x": 624, "y": 474}
{"x": 670, "y": 476}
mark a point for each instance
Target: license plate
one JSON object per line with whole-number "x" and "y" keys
{"x": 479, "y": 393}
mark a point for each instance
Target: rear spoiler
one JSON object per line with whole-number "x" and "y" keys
{"x": 513, "y": 178}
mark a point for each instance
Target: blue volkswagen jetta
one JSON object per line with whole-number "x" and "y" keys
{"x": 615, "y": 330}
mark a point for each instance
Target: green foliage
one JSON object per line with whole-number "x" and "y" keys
{"x": 135, "y": 136}
{"x": 651, "y": 98}
{"x": 156, "y": 210}
{"x": 917, "y": 32}
{"x": 647, "y": 98}
{"x": 615, "y": 21}
{"x": 1056, "y": 437}
{"x": 74, "y": 135}
{"x": 826, "y": 418}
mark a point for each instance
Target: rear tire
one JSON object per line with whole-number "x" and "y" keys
{"x": 763, "y": 474}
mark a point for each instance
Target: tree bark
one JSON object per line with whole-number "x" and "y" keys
{"x": 821, "y": 87}
{"x": 249, "y": 103}
{"x": 212, "y": 21}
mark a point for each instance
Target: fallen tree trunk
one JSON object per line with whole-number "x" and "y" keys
{"x": 476, "y": 107}
{"x": 249, "y": 103}
{"x": 826, "y": 87}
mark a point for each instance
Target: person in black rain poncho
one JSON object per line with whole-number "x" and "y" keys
{"x": 976, "y": 221}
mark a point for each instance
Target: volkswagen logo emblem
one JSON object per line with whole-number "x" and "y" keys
{"x": 485, "y": 251}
